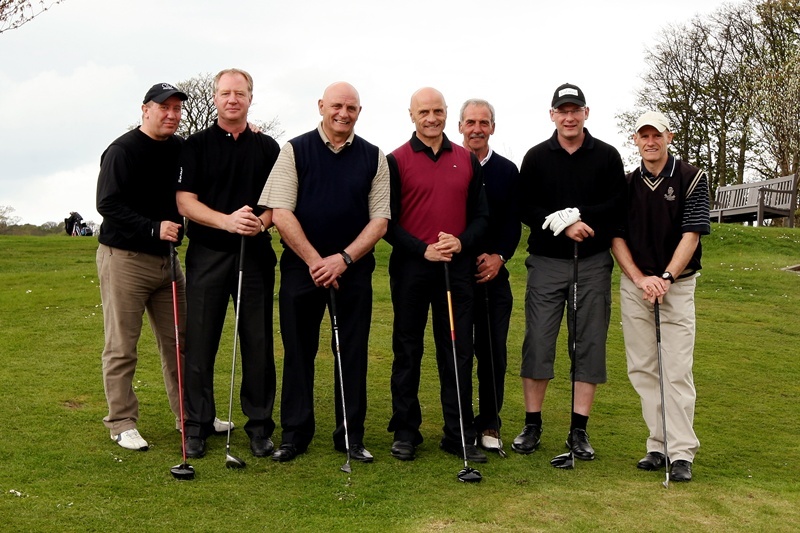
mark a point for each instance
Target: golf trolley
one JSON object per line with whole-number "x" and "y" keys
{"x": 76, "y": 227}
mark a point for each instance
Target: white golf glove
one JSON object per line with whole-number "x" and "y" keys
{"x": 560, "y": 220}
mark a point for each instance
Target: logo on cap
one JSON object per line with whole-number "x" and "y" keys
{"x": 569, "y": 91}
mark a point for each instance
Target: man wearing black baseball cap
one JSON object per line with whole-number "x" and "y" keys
{"x": 136, "y": 198}
{"x": 572, "y": 191}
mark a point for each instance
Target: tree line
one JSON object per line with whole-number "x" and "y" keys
{"x": 730, "y": 84}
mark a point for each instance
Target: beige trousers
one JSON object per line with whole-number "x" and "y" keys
{"x": 677, "y": 314}
{"x": 130, "y": 284}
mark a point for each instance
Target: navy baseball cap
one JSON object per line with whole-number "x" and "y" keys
{"x": 161, "y": 91}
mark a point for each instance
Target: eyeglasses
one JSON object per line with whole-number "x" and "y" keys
{"x": 567, "y": 112}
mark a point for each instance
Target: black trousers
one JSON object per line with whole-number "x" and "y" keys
{"x": 211, "y": 281}
{"x": 492, "y": 314}
{"x": 302, "y": 306}
{"x": 417, "y": 285}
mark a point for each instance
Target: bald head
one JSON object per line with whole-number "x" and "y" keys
{"x": 339, "y": 107}
{"x": 429, "y": 113}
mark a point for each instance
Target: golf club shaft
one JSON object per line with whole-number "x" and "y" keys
{"x": 574, "y": 344}
{"x": 174, "y": 274}
{"x": 657, "y": 314}
{"x": 235, "y": 339}
{"x": 491, "y": 361}
{"x": 455, "y": 359}
{"x": 335, "y": 327}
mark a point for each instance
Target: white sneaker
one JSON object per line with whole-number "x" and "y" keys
{"x": 130, "y": 440}
{"x": 220, "y": 426}
{"x": 490, "y": 440}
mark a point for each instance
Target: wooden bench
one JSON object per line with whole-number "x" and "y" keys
{"x": 748, "y": 202}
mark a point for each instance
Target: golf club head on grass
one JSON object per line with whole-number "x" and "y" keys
{"x": 565, "y": 461}
{"x": 346, "y": 468}
{"x": 182, "y": 471}
{"x": 231, "y": 461}
{"x": 469, "y": 475}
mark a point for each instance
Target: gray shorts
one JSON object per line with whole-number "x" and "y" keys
{"x": 548, "y": 292}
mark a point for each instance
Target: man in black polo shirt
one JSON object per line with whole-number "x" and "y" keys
{"x": 329, "y": 192}
{"x": 572, "y": 192}
{"x": 223, "y": 170}
{"x": 493, "y": 300}
{"x": 659, "y": 252}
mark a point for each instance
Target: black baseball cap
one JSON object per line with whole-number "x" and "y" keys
{"x": 568, "y": 94}
{"x": 161, "y": 91}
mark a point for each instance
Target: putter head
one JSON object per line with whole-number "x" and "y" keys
{"x": 564, "y": 461}
{"x": 231, "y": 461}
{"x": 182, "y": 471}
{"x": 346, "y": 468}
{"x": 469, "y": 475}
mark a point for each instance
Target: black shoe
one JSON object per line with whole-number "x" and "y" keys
{"x": 403, "y": 450}
{"x": 681, "y": 471}
{"x": 286, "y": 452}
{"x": 578, "y": 442}
{"x": 652, "y": 461}
{"x": 261, "y": 446}
{"x": 359, "y": 453}
{"x": 472, "y": 452}
{"x": 195, "y": 447}
{"x": 527, "y": 441}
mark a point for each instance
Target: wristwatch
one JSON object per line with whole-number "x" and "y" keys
{"x": 347, "y": 259}
{"x": 263, "y": 227}
{"x": 668, "y": 276}
{"x": 503, "y": 259}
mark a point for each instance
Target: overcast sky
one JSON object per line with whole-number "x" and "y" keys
{"x": 72, "y": 80}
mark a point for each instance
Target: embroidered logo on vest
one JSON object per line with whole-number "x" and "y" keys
{"x": 670, "y": 196}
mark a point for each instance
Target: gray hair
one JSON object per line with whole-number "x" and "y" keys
{"x": 478, "y": 103}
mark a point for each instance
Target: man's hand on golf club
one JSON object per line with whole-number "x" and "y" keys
{"x": 444, "y": 248}
{"x": 326, "y": 271}
{"x": 653, "y": 288}
{"x": 558, "y": 221}
{"x": 243, "y": 222}
{"x": 169, "y": 231}
{"x": 488, "y": 267}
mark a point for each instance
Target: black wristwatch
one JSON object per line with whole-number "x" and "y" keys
{"x": 668, "y": 276}
{"x": 347, "y": 259}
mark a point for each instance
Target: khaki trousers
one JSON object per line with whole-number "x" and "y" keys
{"x": 677, "y": 314}
{"x": 130, "y": 284}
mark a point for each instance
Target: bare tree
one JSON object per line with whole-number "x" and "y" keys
{"x": 15, "y": 13}
{"x": 199, "y": 111}
{"x": 6, "y": 217}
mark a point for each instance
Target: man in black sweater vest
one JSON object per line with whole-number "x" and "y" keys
{"x": 329, "y": 192}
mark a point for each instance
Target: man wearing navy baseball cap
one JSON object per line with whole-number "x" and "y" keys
{"x": 136, "y": 198}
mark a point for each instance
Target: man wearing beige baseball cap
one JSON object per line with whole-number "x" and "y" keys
{"x": 658, "y": 250}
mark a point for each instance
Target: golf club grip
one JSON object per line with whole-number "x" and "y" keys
{"x": 241, "y": 255}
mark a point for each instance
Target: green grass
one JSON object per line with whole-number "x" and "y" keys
{"x": 59, "y": 471}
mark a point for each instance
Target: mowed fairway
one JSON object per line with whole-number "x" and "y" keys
{"x": 59, "y": 471}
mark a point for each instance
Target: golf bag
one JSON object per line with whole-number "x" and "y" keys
{"x": 75, "y": 226}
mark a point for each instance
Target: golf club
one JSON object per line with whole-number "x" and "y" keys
{"x": 567, "y": 460}
{"x": 467, "y": 474}
{"x": 184, "y": 470}
{"x": 231, "y": 461}
{"x": 335, "y": 325}
{"x": 500, "y": 450}
{"x": 661, "y": 386}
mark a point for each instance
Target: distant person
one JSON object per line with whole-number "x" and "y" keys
{"x": 136, "y": 198}
{"x": 573, "y": 189}
{"x": 223, "y": 170}
{"x": 329, "y": 191}
{"x": 439, "y": 213}
{"x": 493, "y": 300}
{"x": 659, "y": 252}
